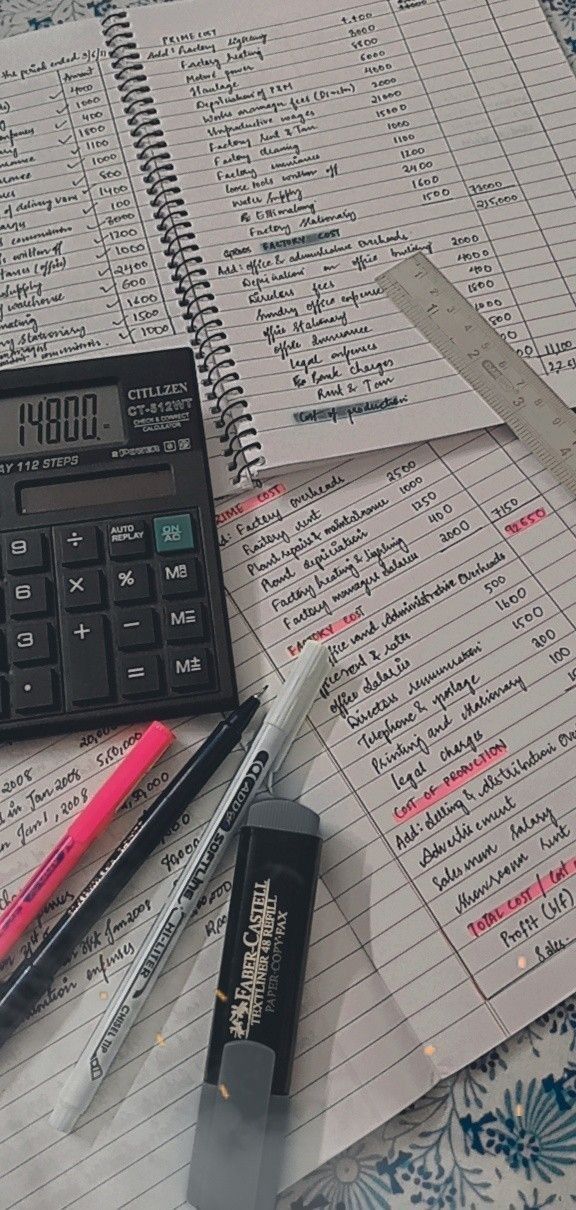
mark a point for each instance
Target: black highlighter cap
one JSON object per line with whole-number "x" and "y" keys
{"x": 266, "y": 942}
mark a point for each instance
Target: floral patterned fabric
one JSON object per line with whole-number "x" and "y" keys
{"x": 502, "y": 1133}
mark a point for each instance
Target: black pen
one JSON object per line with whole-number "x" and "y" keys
{"x": 33, "y": 976}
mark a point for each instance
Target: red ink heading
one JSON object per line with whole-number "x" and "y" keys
{"x": 328, "y": 632}
{"x": 248, "y": 506}
{"x": 452, "y": 781}
{"x": 536, "y": 890}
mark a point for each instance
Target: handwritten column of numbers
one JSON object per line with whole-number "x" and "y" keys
{"x": 505, "y": 148}
{"x": 61, "y": 270}
{"x": 121, "y": 248}
{"x": 138, "y": 260}
{"x": 509, "y": 821}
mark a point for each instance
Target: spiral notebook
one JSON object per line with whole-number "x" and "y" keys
{"x": 238, "y": 175}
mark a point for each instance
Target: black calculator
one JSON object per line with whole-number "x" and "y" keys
{"x": 113, "y": 603}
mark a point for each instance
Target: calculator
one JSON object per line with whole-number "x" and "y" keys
{"x": 113, "y": 603}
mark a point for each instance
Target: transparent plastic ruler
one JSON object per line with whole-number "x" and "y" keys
{"x": 504, "y": 380}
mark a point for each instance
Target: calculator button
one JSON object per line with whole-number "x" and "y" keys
{"x": 139, "y": 675}
{"x": 184, "y": 622}
{"x": 27, "y": 596}
{"x": 33, "y": 689}
{"x": 86, "y": 654}
{"x": 173, "y": 533}
{"x": 136, "y": 628}
{"x": 127, "y": 539}
{"x": 188, "y": 669}
{"x": 180, "y": 577}
{"x": 131, "y": 582}
{"x": 25, "y": 552}
{"x": 77, "y": 544}
{"x": 30, "y": 644}
{"x": 82, "y": 589}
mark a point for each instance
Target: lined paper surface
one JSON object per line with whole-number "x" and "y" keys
{"x": 441, "y": 578}
{"x": 439, "y": 756}
{"x": 317, "y": 144}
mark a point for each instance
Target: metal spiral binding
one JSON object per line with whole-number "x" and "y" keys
{"x": 210, "y": 343}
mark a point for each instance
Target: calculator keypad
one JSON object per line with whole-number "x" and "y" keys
{"x": 104, "y": 614}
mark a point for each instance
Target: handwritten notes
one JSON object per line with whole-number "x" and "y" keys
{"x": 81, "y": 265}
{"x": 449, "y": 709}
{"x": 440, "y": 756}
{"x": 440, "y": 575}
{"x": 146, "y": 1110}
{"x": 317, "y": 145}
{"x": 311, "y": 151}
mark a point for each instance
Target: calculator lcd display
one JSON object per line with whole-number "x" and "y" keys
{"x": 71, "y": 418}
{"x": 94, "y": 491}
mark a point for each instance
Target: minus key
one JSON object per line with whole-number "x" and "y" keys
{"x": 135, "y": 628}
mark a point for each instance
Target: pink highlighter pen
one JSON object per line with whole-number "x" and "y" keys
{"x": 87, "y": 825}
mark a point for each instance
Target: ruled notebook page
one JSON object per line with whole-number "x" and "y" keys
{"x": 82, "y": 270}
{"x": 316, "y": 145}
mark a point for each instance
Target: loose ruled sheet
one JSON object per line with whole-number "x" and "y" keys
{"x": 82, "y": 270}
{"x": 134, "y": 1145}
{"x": 441, "y": 756}
{"x": 317, "y": 144}
{"x": 441, "y": 577}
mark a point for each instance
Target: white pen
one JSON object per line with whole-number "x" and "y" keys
{"x": 263, "y": 758}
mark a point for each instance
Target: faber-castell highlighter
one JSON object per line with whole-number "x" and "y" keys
{"x": 242, "y": 1117}
{"x": 265, "y": 755}
{"x": 33, "y": 976}
{"x": 86, "y": 826}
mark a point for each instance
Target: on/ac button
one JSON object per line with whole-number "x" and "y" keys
{"x": 173, "y": 533}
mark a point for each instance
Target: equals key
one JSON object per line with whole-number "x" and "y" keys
{"x": 139, "y": 675}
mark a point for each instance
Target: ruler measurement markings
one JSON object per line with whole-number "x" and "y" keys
{"x": 506, "y": 382}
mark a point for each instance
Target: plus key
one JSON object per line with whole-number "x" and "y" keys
{"x": 87, "y": 677}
